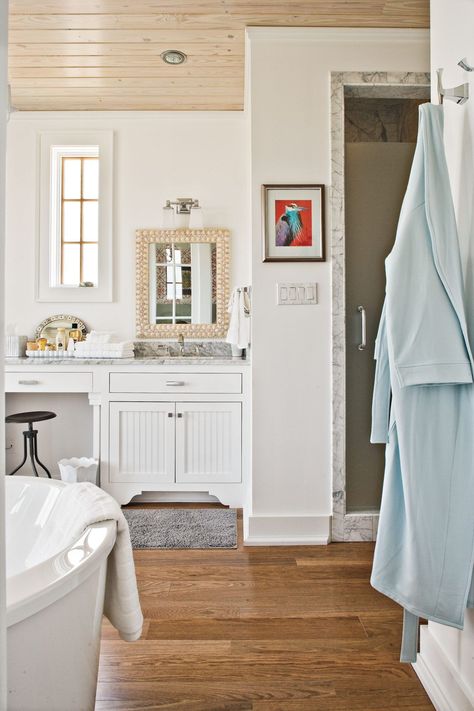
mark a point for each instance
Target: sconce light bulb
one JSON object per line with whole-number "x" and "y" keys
{"x": 168, "y": 215}
{"x": 196, "y": 218}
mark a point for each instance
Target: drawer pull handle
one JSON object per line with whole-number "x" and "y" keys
{"x": 28, "y": 382}
{"x": 175, "y": 382}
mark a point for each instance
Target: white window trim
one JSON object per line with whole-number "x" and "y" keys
{"x": 48, "y": 216}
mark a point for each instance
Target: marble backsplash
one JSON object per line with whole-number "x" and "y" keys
{"x": 157, "y": 349}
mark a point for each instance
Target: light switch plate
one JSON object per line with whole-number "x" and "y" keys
{"x": 297, "y": 294}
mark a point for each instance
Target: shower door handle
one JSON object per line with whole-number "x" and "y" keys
{"x": 363, "y": 337}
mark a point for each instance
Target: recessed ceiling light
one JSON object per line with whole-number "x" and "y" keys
{"x": 173, "y": 56}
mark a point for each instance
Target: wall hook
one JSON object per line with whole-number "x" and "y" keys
{"x": 458, "y": 94}
{"x": 464, "y": 64}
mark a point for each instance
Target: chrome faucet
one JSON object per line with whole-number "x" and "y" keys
{"x": 181, "y": 343}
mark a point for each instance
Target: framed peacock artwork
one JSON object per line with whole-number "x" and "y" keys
{"x": 293, "y": 223}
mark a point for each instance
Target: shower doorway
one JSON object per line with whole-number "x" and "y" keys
{"x": 378, "y": 125}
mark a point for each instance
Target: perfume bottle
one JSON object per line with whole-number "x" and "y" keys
{"x": 75, "y": 333}
{"x": 61, "y": 339}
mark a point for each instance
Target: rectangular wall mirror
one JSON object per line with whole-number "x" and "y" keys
{"x": 182, "y": 283}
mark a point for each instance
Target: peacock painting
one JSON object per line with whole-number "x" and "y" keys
{"x": 293, "y": 223}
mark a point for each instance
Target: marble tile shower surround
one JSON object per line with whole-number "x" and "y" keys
{"x": 369, "y": 120}
{"x": 363, "y": 526}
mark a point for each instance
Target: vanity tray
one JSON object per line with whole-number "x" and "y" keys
{"x": 49, "y": 354}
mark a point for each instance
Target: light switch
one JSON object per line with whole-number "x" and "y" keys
{"x": 291, "y": 294}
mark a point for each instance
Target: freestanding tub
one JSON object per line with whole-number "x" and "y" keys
{"x": 55, "y": 598}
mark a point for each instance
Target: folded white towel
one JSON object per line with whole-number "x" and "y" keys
{"x": 90, "y": 349}
{"x": 103, "y": 353}
{"x": 81, "y": 505}
{"x": 87, "y": 346}
{"x": 99, "y": 337}
{"x": 239, "y": 309}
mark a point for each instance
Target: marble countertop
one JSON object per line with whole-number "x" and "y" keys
{"x": 139, "y": 361}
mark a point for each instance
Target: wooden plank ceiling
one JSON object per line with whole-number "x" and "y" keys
{"x": 105, "y": 54}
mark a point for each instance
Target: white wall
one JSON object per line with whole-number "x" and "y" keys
{"x": 158, "y": 156}
{"x": 69, "y": 435}
{"x": 208, "y": 156}
{"x": 3, "y": 128}
{"x": 447, "y": 655}
{"x": 290, "y": 143}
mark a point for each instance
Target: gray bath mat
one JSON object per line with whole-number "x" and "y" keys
{"x": 182, "y": 528}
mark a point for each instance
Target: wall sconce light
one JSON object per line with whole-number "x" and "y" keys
{"x": 183, "y": 206}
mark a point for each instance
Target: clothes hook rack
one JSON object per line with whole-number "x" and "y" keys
{"x": 458, "y": 94}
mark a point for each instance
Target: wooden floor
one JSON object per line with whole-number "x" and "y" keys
{"x": 269, "y": 629}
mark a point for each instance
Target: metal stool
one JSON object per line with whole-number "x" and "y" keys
{"x": 30, "y": 435}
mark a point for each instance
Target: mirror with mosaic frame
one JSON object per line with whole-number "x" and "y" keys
{"x": 182, "y": 283}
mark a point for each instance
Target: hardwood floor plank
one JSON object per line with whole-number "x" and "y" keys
{"x": 264, "y": 629}
{"x": 256, "y": 629}
{"x": 211, "y": 694}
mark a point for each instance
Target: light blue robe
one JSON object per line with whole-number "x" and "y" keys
{"x": 423, "y": 405}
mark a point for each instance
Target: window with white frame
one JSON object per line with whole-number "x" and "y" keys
{"x": 75, "y": 245}
{"x": 75, "y": 206}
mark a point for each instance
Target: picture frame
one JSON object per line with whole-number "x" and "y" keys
{"x": 293, "y": 223}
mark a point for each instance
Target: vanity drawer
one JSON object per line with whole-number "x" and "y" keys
{"x": 48, "y": 382}
{"x": 201, "y": 383}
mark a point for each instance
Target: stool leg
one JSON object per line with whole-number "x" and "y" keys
{"x": 35, "y": 454}
{"x": 31, "y": 437}
{"x": 24, "y": 455}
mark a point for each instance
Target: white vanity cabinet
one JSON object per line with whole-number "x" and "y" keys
{"x": 168, "y": 442}
{"x": 208, "y": 442}
{"x": 179, "y": 429}
{"x": 141, "y": 442}
{"x": 174, "y": 427}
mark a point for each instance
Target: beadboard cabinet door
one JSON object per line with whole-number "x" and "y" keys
{"x": 142, "y": 442}
{"x": 208, "y": 442}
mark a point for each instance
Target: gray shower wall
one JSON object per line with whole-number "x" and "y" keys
{"x": 380, "y": 135}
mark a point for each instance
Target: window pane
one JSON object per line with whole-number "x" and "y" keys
{"x": 90, "y": 263}
{"x": 182, "y": 253}
{"x": 90, "y": 221}
{"x": 90, "y": 179}
{"x": 164, "y": 310}
{"x": 71, "y": 221}
{"x": 72, "y": 178}
{"x": 71, "y": 264}
{"x": 186, "y": 276}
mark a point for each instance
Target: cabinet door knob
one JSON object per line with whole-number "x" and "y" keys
{"x": 170, "y": 414}
{"x": 175, "y": 382}
{"x": 180, "y": 414}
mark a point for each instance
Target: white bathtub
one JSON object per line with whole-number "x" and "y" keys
{"x": 55, "y": 597}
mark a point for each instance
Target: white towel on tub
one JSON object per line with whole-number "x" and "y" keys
{"x": 81, "y": 505}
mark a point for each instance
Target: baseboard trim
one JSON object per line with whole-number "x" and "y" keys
{"x": 274, "y": 541}
{"x": 439, "y": 677}
{"x": 288, "y": 531}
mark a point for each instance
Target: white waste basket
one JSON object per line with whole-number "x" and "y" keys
{"x": 78, "y": 469}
